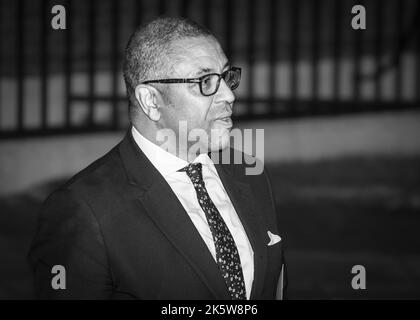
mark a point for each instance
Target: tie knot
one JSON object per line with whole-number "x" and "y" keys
{"x": 193, "y": 171}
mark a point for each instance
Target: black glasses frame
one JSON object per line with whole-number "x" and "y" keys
{"x": 199, "y": 80}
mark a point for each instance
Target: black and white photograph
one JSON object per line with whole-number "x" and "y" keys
{"x": 210, "y": 150}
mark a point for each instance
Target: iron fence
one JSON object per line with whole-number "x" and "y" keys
{"x": 299, "y": 58}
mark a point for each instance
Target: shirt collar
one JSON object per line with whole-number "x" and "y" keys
{"x": 165, "y": 162}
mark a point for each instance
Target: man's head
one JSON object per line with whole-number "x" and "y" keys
{"x": 173, "y": 48}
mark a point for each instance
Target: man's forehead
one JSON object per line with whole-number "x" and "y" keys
{"x": 199, "y": 55}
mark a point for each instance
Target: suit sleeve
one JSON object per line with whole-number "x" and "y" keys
{"x": 69, "y": 235}
{"x": 283, "y": 281}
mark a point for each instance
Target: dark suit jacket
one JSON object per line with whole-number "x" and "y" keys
{"x": 120, "y": 232}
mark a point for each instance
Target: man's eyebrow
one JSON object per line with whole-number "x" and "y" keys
{"x": 227, "y": 64}
{"x": 203, "y": 71}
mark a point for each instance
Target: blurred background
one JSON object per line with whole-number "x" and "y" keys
{"x": 340, "y": 110}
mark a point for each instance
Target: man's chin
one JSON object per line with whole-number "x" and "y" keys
{"x": 223, "y": 123}
{"x": 219, "y": 142}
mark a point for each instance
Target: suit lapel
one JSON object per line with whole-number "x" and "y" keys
{"x": 164, "y": 208}
{"x": 243, "y": 200}
{"x": 175, "y": 224}
{"x": 170, "y": 217}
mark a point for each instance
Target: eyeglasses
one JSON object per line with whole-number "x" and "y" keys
{"x": 209, "y": 83}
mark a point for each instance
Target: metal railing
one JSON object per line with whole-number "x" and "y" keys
{"x": 295, "y": 54}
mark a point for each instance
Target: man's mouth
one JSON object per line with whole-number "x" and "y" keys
{"x": 226, "y": 120}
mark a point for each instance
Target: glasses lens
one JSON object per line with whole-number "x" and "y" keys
{"x": 209, "y": 84}
{"x": 232, "y": 78}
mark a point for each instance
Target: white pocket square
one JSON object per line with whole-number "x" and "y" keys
{"x": 273, "y": 238}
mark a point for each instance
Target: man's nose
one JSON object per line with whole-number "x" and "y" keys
{"x": 225, "y": 93}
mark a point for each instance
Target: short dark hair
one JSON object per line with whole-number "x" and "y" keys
{"x": 148, "y": 52}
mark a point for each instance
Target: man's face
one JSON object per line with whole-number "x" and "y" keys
{"x": 197, "y": 57}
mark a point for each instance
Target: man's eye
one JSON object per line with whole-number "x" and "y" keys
{"x": 206, "y": 81}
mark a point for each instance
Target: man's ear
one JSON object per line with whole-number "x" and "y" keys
{"x": 147, "y": 97}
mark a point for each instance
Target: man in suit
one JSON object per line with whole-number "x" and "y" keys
{"x": 150, "y": 220}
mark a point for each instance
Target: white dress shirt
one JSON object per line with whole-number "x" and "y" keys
{"x": 168, "y": 164}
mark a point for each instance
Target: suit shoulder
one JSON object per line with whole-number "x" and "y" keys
{"x": 87, "y": 190}
{"x": 99, "y": 172}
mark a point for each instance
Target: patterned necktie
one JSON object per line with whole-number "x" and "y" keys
{"x": 227, "y": 255}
